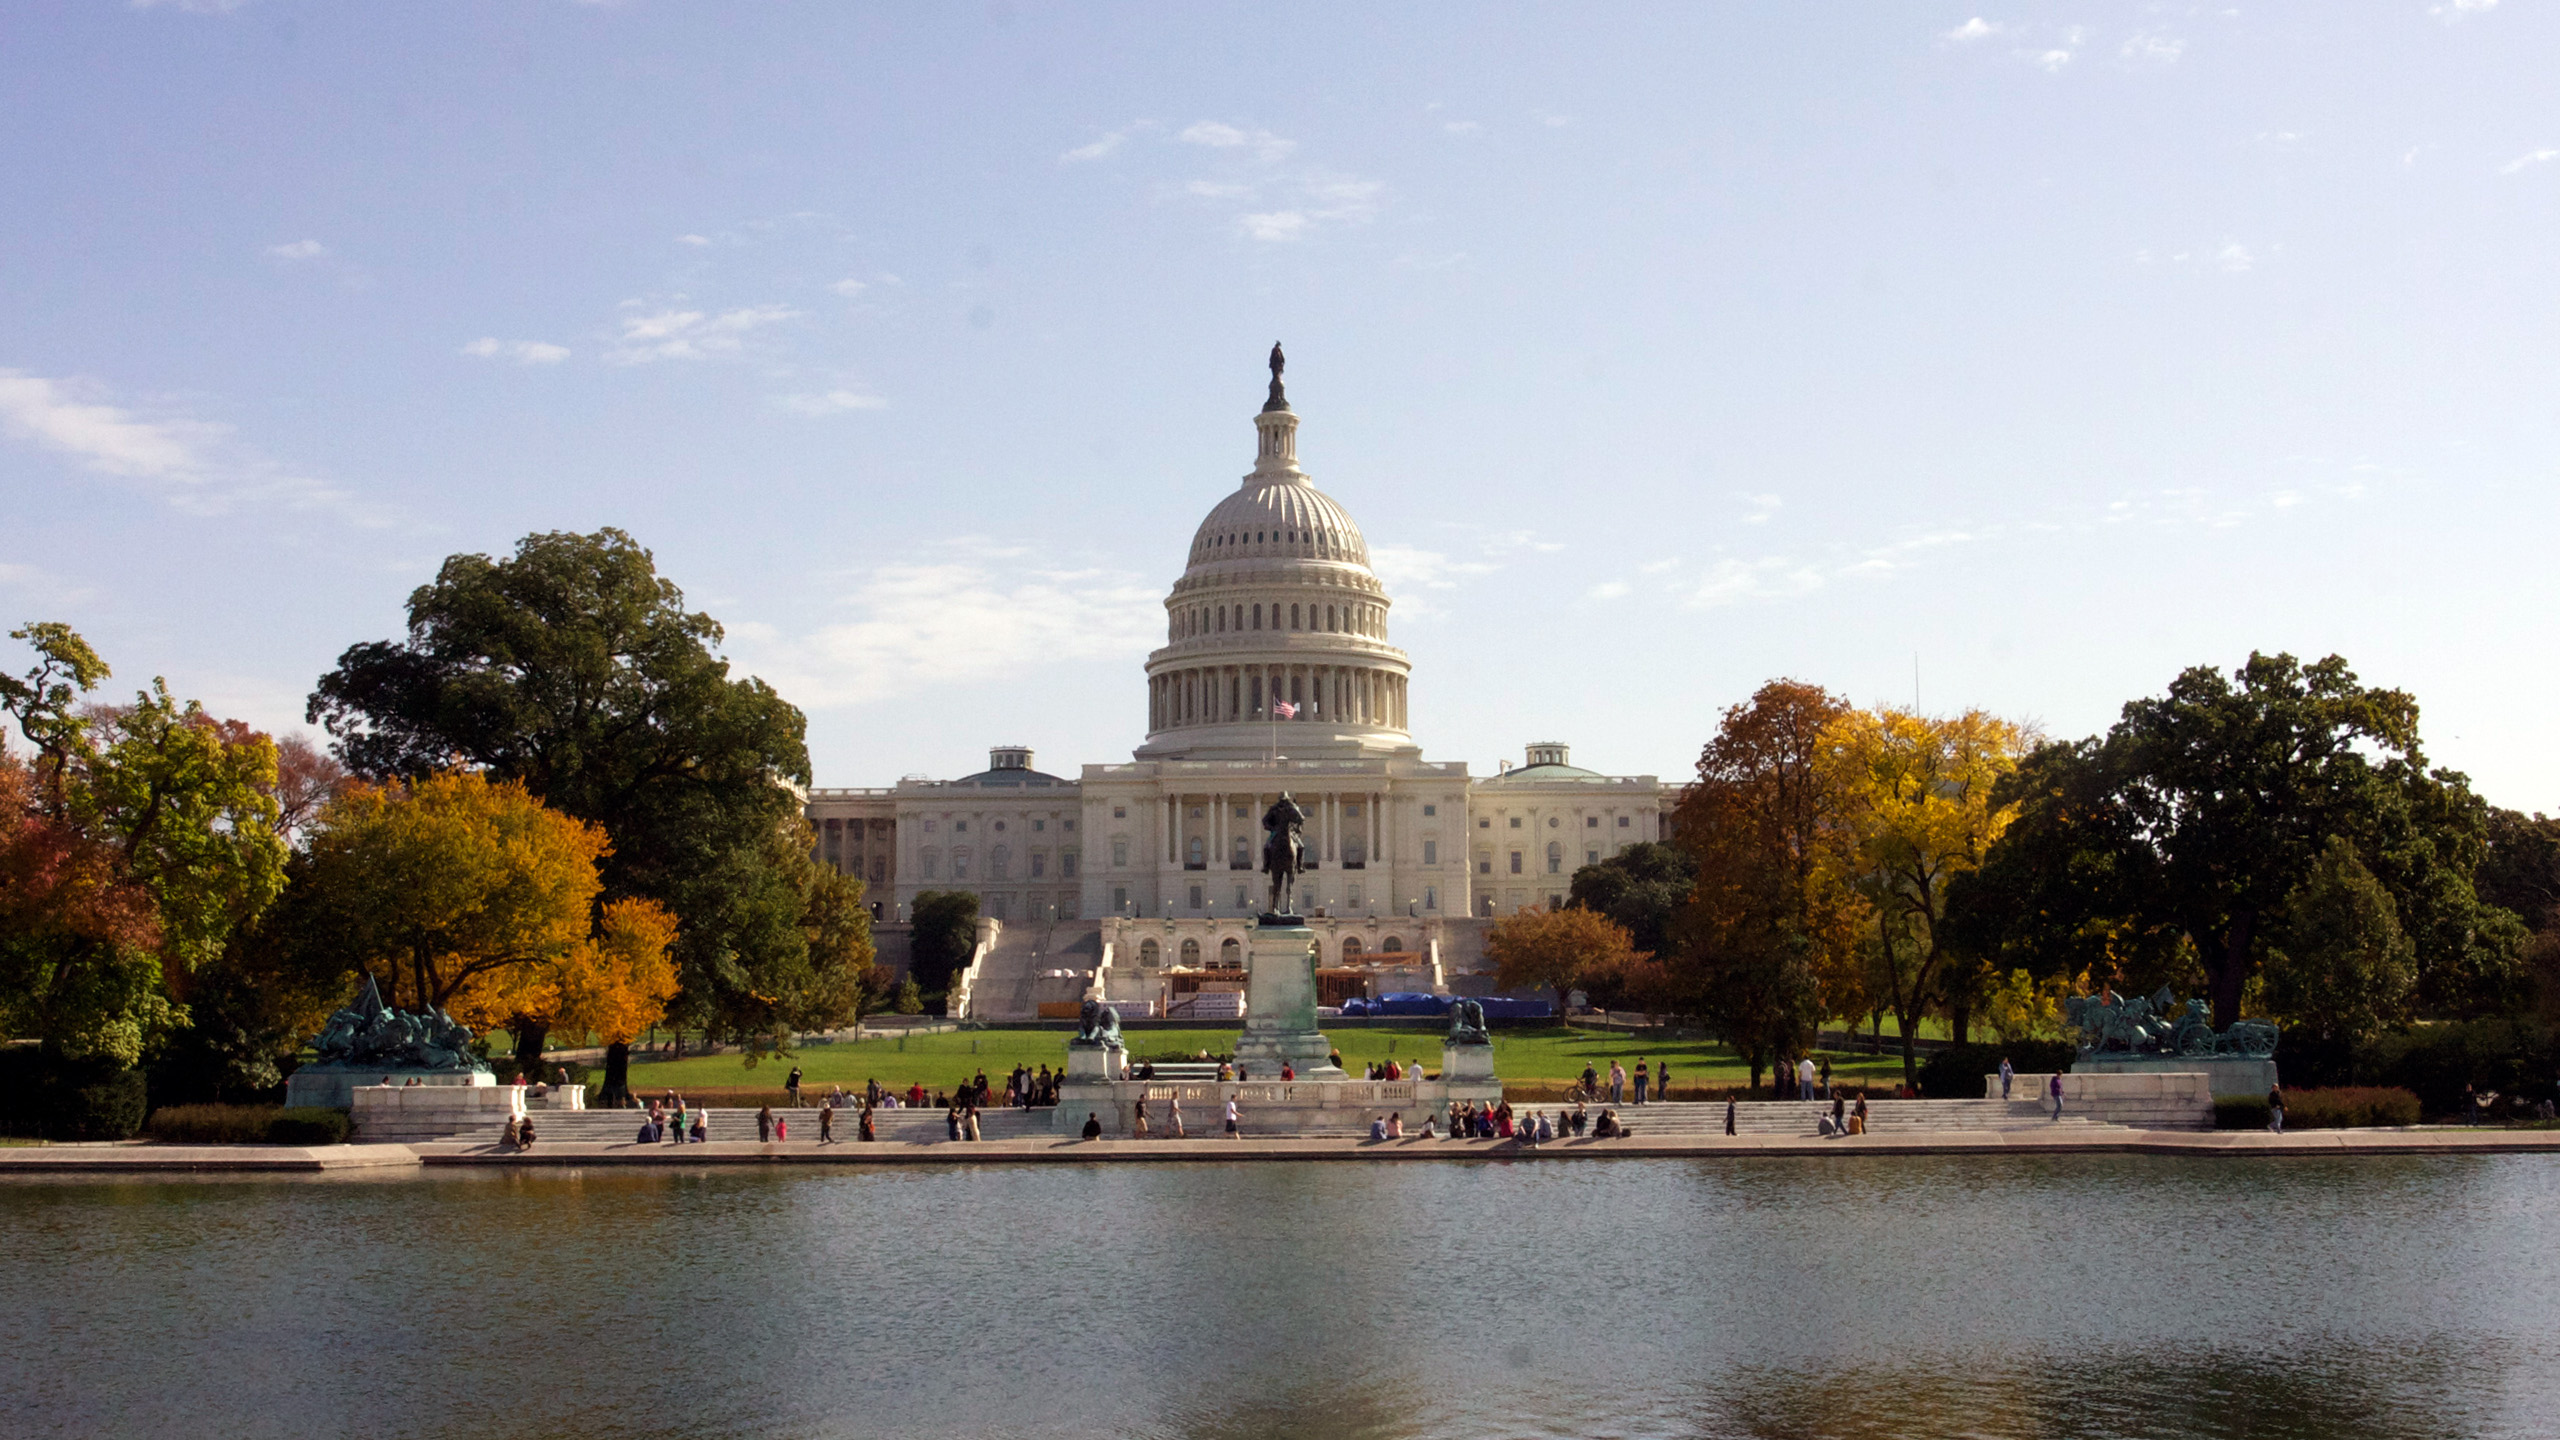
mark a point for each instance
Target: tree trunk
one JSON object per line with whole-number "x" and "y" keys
{"x": 1910, "y": 1063}
{"x": 2228, "y": 971}
{"x": 529, "y": 1037}
{"x": 617, "y": 1074}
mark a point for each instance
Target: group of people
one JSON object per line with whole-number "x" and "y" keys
{"x": 1652, "y": 1083}
{"x": 671, "y": 1123}
{"x": 1392, "y": 1069}
{"x": 1470, "y": 1121}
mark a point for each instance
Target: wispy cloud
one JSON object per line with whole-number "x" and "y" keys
{"x": 42, "y": 586}
{"x": 192, "y": 7}
{"x": 848, "y": 288}
{"x": 692, "y": 334}
{"x": 2453, "y": 11}
{"x": 2230, "y": 257}
{"x": 1218, "y": 135}
{"x": 1274, "y": 225}
{"x": 830, "y": 402}
{"x": 523, "y": 352}
{"x": 696, "y": 241}
{"x": 1553, "y": 120}
{"x": 973, "y": 614}
{"x": 1461, "y": 127}
{"x": 1762, "y": 507}
{"x": 194, "y": 464}
{"x": 1974, "y": 29}
{"x": 1105, "y": 144}
{"x": 2150, "y": 47}
{"x": 298, "y": 250}
{"x": 2052, "y": 61}
{"x": 2529, "y": 159}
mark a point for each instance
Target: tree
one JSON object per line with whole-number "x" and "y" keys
{"x": 2341, "y": 968}
{"x": 943, "y": 937}
{"x": 1768, "y": 942}
{"x": 574, "y": 668}
{"x": 1555, "y": 949}
{"x": 1642, "y": 887}
{"x": 443, "y": 889}
{"x": 615, "y": 983}
{"x": 1917, "y": 794}
{"x": 2176, "y": 839}
{"x": 139, "y": 840}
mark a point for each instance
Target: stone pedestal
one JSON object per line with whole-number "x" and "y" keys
{"x": 1280, "y": 1007}
{"x": 398, "y": 1112}
{"x": 1466, "y": 1062}
{"x": 2226, "y": 1074}
{"x": 333, "y": 1088}
{"x": 1094, "y": 1062}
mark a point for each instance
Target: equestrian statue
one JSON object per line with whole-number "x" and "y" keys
{"x": 1284, "y": 854}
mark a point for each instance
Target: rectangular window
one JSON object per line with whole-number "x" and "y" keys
{"x": 1351, "y": 897}
{"x": 1591, "y": 857}
{"x": 1430, "y": 852}
{"x": 1515, "y": 822}
{"x": 1351, "y": 811}
{"x": 1515, "y": 862}
{"x": 933, "y": 864}
{"x": 1195, "y": 897}
{"x": 960, "y": 865}
{"x": 1038, "y": 825}
{"x": 1120, "y": 899}
{"x": 1039, "y": 865}
{"x": 1066, "y": 825}
{"x": 1484, "y": 906}
{"x": 1067, "y": 863}
{"x": 1430, "y": 897}
{"x": 1484, "y": 864}
{"x": 1430, "y": 810}
{"x": 1119, "y": 854}
{"x": 1622, "y": 822}
{"x": 1067, "y": 904}
{"x": 1119, "y": 812}
{"x": 1590, "y": 822}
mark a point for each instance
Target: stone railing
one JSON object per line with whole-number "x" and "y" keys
{"x": 956, "y": 1003}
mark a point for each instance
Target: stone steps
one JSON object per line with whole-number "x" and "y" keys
{"x": 1802, "y": 1117}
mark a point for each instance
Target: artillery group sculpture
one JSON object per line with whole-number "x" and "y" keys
{"x": 2134, "y": 1027}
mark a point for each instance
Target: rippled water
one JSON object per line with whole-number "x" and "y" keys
{"x": 2063, "y": 1296}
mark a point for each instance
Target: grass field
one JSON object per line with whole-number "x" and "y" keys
{"x": 1551, "y": 1053}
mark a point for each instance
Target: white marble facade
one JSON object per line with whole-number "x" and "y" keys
{"x": 1276, "y": 674}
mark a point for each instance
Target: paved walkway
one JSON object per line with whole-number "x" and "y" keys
{"x": 144, "y": 1159}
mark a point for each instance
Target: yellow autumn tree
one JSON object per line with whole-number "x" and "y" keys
{"x": 1915, "y": 793}
{"x": 451, "y": 891}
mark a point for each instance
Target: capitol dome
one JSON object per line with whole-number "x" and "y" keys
{"x": 1277, "y": 620}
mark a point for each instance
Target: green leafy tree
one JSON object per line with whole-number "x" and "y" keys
{"x": 1641, "y": 888}
{"x": 2176, "y": 839}
{"x": 945, "y": 934}
{"x": 1557, "y": 949}
{"x": 139, "y": 840}
{"x": 2342, "y": 968}
{"x": 573, "y": 667}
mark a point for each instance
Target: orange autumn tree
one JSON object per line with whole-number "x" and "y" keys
{"x": 1557, "y": 949}
{"x": 616, "y": 982}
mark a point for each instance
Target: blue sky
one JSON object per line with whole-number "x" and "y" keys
{"x": 1658, "y": 350}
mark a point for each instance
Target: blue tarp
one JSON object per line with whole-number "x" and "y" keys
{"x": 1503, "y": 1007}
{"x": 1410, "y": 1003}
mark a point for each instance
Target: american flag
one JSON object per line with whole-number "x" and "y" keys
{"x": 1284, "y": 709}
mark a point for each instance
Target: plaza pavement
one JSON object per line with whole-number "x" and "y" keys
{"x": 370, "y": 1161}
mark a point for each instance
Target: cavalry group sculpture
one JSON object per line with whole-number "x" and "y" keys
{"x": 369, "y": 1035}
{"x": 1099, "y": 1024}
{"x": 2135, "y": 1026}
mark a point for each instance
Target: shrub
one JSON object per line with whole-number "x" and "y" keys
{"x": 2510, "y": 1057}
{"x": 1956, "y": 1072}
{"x": 211, "y": 1124}
{"x": 2349, "y": 1107}
{"x": 2240, "y": 1112}
{"x": 59, "y": 1099}
{"x": 308, "y": 1125}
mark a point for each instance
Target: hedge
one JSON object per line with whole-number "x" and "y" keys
{"x": 247, "y": 1125}
{"x": 2342, "y": 1107}
{"x": 1955, "y": 1073}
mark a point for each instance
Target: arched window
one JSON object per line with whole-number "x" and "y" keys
{"x": 879, "y": 871}
{"x": 932, "y": 864}
{"x": 1555, "y": 857}
{"x": 959, "y": 864}
{"x": 1257, "y": 617}
{"x": 1191, "y": 953}
{"x": 1395, "y": 944}
{"x": 1329, "y": 624}
{"x": 1230, "y": 954}
{"x": 1243, "y": 858}
{"x": 1351, "y": 949}
{"x": 1293, "y": 617}
{"x": 1149, "y": 955}
{"x": 1199, "y": 853}
{"x": 999, "y": 862}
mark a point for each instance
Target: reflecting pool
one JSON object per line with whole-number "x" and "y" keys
{"x": 2009, "y": 1296}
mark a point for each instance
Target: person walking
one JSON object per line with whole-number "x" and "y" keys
{"x": 1138, "y": 1126}
{"x": 1732, "y": 1104}
{"x": 2007, "y": 1074}
{"x": 781, "y": 1129}
{"x": 1173, "y": 1114}
{"x": 970, "y": 1126}
{"x": 791, "y": 1086}
{"x": 1662, "y": 1082}
{"x": 1858, "y": 1117}
{"x": 2053, "y": 1088}
{"x": 764, "y": 1125}
{"x": 1233, "y": 1117}
{"x": 2275, "y": 1109}
{"x": 868, "y": 1130}
{"x": 827, "y": 1123}
{"x": 1805, "y": 1079}
{"x": 1640, "y": 1079}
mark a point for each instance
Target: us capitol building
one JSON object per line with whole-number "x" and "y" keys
{"x": 1276, "y": 674}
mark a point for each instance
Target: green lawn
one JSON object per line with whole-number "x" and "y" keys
{"x": 1549, "y": 1053}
